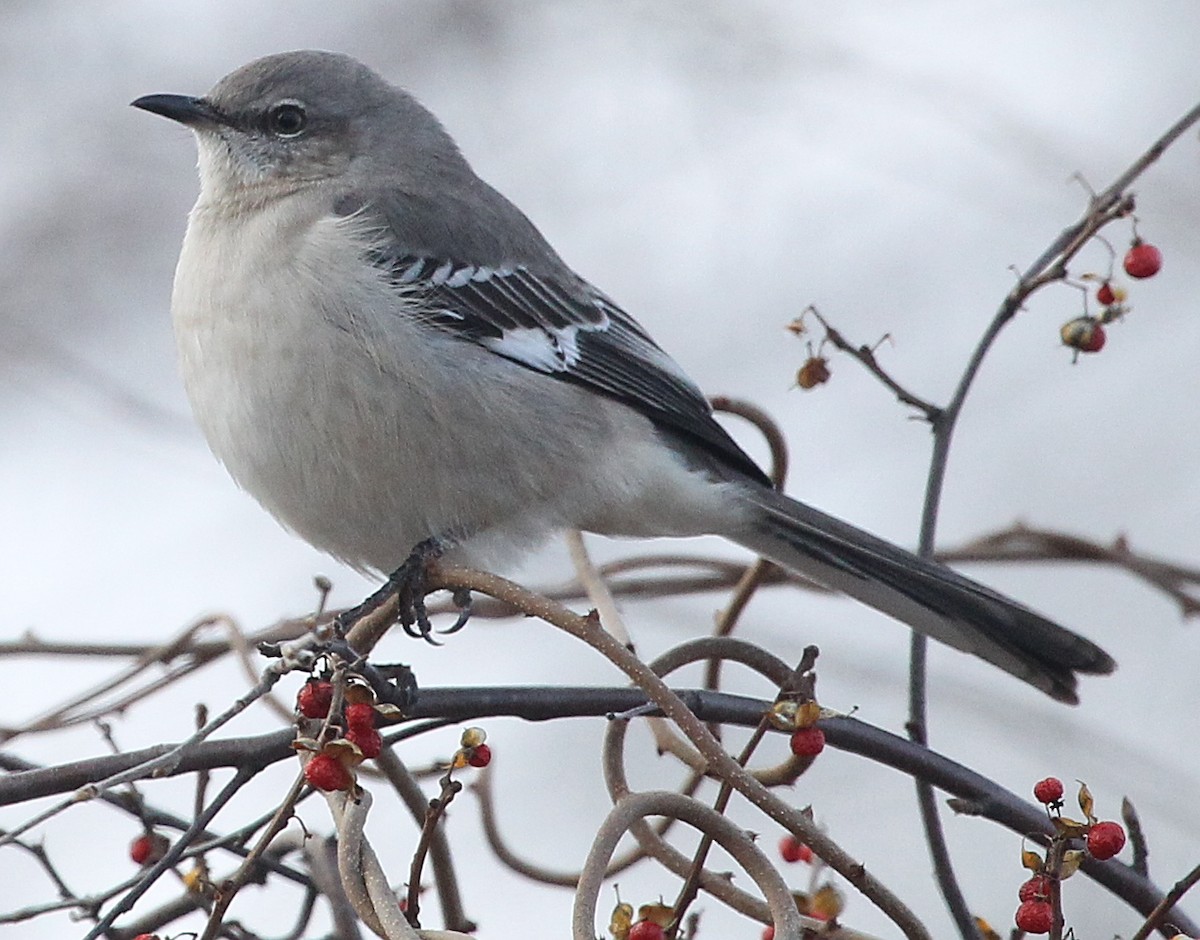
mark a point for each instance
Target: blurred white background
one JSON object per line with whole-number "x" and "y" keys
{"x": 714, "y": 167}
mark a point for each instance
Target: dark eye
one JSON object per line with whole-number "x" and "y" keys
{"x": 287, "y": 119}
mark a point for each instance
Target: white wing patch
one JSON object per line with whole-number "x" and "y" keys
{"x": 541, "y": 349}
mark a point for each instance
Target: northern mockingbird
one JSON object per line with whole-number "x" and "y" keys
{"x": 385, "y": 351}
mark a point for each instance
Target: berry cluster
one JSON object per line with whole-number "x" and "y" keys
{"x": 333, "y": 764}
{"x": 821, "y": 903}
{"x": 472, "y": 752}
{"x": 1085, "y": 334}
{"x": 1102, "y": 839}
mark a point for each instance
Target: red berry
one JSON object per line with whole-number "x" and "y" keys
{"x": 1105, "y": 839}
{"x": 326, "y": 772}
{"x": 1036, "y": 888}
{"x": 646, "y": 930}
{"x": 148, "y": 848}
{"x": 1048, "y": 791}
{"x": 367, "y": 739}
{"x": 360, "y": 717}
{"x": 1035, "y": 916}
{"x": 793, "y": 850}
{"x": 315, "y": 698}
{"x": 481, "y": 756}
{"x": 1142, "y": 259}
{"x": 1105, "y": 294}
{"x": 139, "y": 849}
{"x": 808, "y": 742}
{"x": 146, "y": 936}
{"x": 768, "y": 933}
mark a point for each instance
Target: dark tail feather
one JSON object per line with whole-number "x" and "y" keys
{"x": 929, "y": 597}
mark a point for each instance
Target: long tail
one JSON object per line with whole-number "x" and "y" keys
{"x": 929, "y": 597}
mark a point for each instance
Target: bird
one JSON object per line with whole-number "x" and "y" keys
{"x": 387, "y": 354}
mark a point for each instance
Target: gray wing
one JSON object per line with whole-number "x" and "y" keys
{"x": 517, "y": 299}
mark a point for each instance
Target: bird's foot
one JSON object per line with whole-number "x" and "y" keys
{"x": 409, "y": 585}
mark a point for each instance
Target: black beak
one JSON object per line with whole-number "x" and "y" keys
{"x": 194, "y": 112}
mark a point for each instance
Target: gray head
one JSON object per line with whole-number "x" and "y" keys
{"x": 295, "y": 118}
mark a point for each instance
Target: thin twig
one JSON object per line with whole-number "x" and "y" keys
{"x": 175, "y": 852}
{"x": 1111, "y": 204}
{"x": 691, "y": 885}
{"x": 229, "y": 888}
{"x": 1137, "y": 838}
{"x": 411, "y": 794}
{"x": 1170, "y": 899}
{"x": 433, "y": 814}
{"x": 866, "y": 355}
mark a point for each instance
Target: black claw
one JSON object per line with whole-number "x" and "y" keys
{"x": 409, "y": 583}
{"x": 421, "y": 618}
{"x": 463, "y": 600}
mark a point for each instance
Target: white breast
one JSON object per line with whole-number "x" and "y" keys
{"x": 366, "y": 433}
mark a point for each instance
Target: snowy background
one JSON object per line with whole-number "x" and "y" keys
{"x": 714, "y": 167}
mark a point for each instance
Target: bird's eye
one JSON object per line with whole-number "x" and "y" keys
{"x": 287, "y": 119}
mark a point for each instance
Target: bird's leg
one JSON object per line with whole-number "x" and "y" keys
{"x": 408, "y": 584}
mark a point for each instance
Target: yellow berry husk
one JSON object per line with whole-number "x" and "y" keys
{"x": 660, "y": 914}
{"x": 196, "y": 879}
{"x": 1078, "y": 333}
{"x": 620, "y": 921}
{"x": 473, "y": 737}
{"x": 807, "y": 714}
{"x": 827, "y": 903}
{"x": 1071, "y": 860}
{"x": 782, "y": 715}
